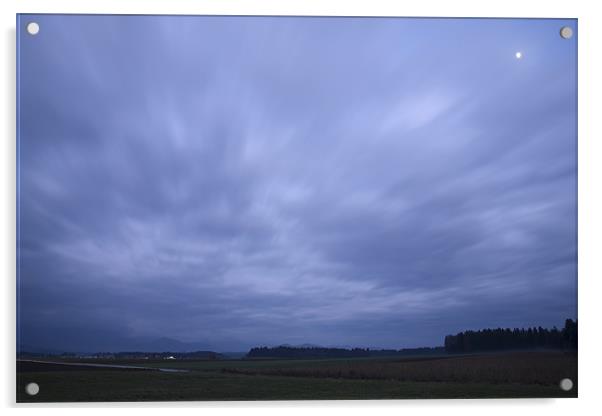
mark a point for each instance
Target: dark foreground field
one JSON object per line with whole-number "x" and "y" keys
{"x": 534, "y": 374}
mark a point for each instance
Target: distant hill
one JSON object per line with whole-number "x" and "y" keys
{"x": 193, "y": 355}
{"x": 129, "y": 355}
{"x": 33, "y": 350}
{"x": 167, "y": 344}
{"x": 139, "y": 344}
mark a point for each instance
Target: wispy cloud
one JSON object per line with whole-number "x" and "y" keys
{"x": 242, "y": 181}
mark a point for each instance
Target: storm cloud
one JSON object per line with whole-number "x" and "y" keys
{"x": 230, "y": 182}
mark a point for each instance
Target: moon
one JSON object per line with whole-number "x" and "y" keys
{"x": 518, "y": 55}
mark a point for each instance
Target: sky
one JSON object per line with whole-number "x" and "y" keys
{"x": 228, "y": 182}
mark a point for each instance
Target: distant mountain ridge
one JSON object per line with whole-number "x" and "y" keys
{"x": 138, "y": 344}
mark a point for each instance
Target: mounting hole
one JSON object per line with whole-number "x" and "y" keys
{"x": 566, "y": 384}
{"x": 33, "y": 28}
{"x": 566, "y": 32}
{"x": 32, "y": 389}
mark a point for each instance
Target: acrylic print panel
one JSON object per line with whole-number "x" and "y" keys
{"x": 285, "y": 208}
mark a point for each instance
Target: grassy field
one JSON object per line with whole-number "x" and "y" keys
{"x": 475, "y": 376}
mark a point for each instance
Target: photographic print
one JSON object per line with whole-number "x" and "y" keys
{"x": 217, "y": 208}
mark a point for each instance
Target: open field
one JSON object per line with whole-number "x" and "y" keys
{"x": 477, "y": 376}
{"x": 525, "y": 368}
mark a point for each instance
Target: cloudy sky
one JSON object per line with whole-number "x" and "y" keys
{"x": 233, "y": 182}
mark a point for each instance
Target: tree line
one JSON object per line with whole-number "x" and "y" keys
{"x": 507, "y": 339}
{"x": 321, "y": 352}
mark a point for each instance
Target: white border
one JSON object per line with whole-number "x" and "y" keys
{"x": 590, "y": 183}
